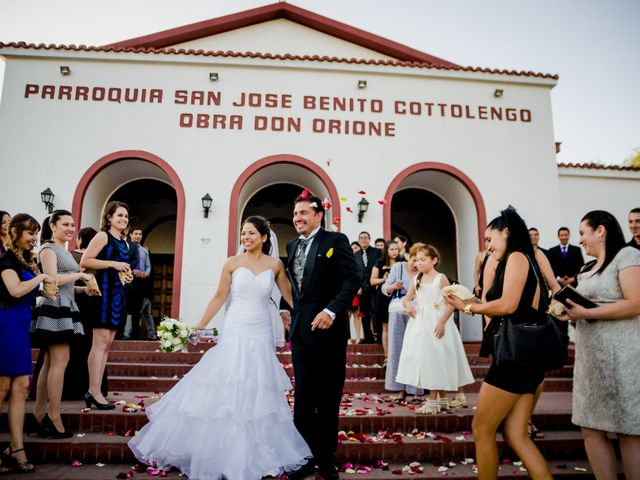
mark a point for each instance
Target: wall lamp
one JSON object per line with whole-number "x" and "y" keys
{"x": 213, "y": 76}
{"x": 206, "y": 204}
{"x": 363, "y": 206}
{"x": 65, "y": 70}
{"x": 362, "y": 84}
{"x": 498, "y": 92}
{"x": 47, "y": 197}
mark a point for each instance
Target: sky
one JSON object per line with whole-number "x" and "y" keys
{"x": 591, "y": 44}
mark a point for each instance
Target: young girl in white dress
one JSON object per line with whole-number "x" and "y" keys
{"x": 432, "y": 355}
{"x": 229, "y": 416}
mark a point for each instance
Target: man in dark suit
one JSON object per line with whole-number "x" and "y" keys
{"x": 366, "y": 259}
{"x": 634, "y": 228}
{"x": 566, "y": 260}
{"x": 324, "y": 279}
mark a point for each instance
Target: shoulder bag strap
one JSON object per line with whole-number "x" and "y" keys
{"x": 535, "y": 303}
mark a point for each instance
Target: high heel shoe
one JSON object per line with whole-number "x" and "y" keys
{"x": 32, "y": 425}
{"x": 19, "y": 467}
{"x": 89, "y": 400}
{"x": 51, "y": 430}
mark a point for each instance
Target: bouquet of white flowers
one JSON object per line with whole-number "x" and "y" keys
{"x": 173, "y": 335}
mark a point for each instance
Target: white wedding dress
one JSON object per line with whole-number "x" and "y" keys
{"x": 425, "y": 360}
{"x": 229, "y": 417}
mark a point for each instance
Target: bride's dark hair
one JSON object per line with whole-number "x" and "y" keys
{"x": 262, "y": 225}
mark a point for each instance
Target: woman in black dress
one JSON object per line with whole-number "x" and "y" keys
{"x": 108, "y": 255}
{"x": 507, "y": 394}
{"x": 379, "y": 275}
{"x": 76, "y": 378}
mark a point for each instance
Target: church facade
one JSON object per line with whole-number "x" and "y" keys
{"x": 253, "y": 107}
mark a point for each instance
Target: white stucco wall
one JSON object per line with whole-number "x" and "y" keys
{"x": 51, "y": 143}
{"x": 583, "y": 190}
{"x": 284, "y": 37}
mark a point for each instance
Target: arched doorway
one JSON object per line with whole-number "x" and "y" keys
{"x": 268, "y": 188}
{"x": 153, "y": 206}
{"x": 454, "y": 198}
{"x": 131, "y": 173}
{"x": 423, "y": 216}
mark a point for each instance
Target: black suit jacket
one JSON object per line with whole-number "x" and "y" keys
{"x": 373, "y": 255}
{"x": 569, "y": 265}
{"x": 331, "y": 279}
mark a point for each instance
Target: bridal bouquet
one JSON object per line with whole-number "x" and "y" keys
{"x": 173, "y": 335}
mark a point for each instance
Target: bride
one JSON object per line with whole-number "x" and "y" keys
{"x": 229, "y": 416}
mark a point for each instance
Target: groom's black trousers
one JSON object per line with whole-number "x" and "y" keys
{"x": 319, "y": 379}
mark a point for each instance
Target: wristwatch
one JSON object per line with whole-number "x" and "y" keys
{"x": 467, "y": 309}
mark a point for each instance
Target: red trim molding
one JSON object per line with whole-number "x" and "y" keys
{"x": 92, "y": 172}
{"x": 285, "y": 10}
{"x": 449, "y": 170}
{"x": 263, "y": 163}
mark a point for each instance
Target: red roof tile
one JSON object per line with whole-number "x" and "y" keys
{"x": 272, "y": 56}
{"x": 598, "y": 166}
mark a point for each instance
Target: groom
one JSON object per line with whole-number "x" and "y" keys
{"x": 324, "y": 280}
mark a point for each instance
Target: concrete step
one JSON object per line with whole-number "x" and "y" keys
{"x": 421, "y": 446}
{"x": 352, "y": 385}
{"x": 565, "y": 469}
{"x": 126, "y": 369}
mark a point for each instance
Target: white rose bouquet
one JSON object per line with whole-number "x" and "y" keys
{"x": 173, "y": 335}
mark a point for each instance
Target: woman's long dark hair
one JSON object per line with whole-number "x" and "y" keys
{"x": 518, "y": 239}
{"x": 19, "y": 223}
{"x": 385, "y": 253}
{"x": 46, "y": 234}
{"x": 109, "y": 210}
{"x": 85, "y": 235}
{"x": 262, "y": 225}
{"x": 614, "y": 240}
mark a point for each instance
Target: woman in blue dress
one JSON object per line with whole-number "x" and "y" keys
{"x": 18, "y": 288}
{"x": 108, "y": 255}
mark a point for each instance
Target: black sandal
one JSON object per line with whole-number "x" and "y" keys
{"x": 534, "y": 433}
{"x": 19, "y": 467}
{"x": 4, "y": 470}
{"x": 400, "y": 398}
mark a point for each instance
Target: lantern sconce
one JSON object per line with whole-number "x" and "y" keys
{"x": 363, "y": 206}
{"x": 213, "y": 76}
{"x": 206, "y": 204}
{"x": 65, "y": 70}
{"x": 362, "y": 84}
{"x": 498, "y": 92}
{"x": 47, "y": 197}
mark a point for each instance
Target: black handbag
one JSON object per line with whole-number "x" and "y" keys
{"x": 541, "y": 341}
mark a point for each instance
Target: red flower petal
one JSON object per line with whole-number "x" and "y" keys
{"x": 362, "y": 192}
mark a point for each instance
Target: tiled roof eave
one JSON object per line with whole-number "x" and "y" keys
{"x": 598, "y": 166}
{"x": 277, "y": 56}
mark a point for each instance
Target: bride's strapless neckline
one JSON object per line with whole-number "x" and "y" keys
{"x": 256, "y": 275}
